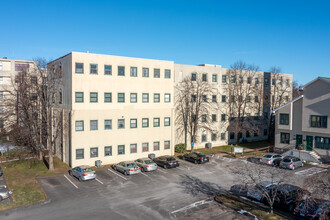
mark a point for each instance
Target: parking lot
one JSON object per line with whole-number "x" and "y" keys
{"x": 161, "y": 194}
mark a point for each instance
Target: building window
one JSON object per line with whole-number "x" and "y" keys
{"x": 167, "y": 97}
{"x": 121, "y": 71}
{"x": 256, "y": 133}
{"x": 107, "y": 97}
{"x": 133, "y": 123}
{"x": 93, "y": 68}
{"x": 214, "y": 78}
{"x": 285, "y": 138}
{"x": 121, "y": 97}
{"x": 204, "y": 98}
{"x": 223, "y": 98}
{"x": 247, "y": 134}
{"x": 145, "y": 72}
{"x": 249, "y": 80}
{"x": 256, "y": 81}
{"x": 193, "y": 98}
{"x": 214, "y": 137}
{"x": 107, "y": 124}
{"x": 232, "y": 135}
{"x": 1, "y": 109}
{"x": 203, "y": 118}
{"x": 193, "y": 77}
{"x": 167, "y": 74}
{"x": 256, "y": 98}
{"x": 156, "y": 73}
{"x": 133, "y": 98}
{"x": 79, "y": 97}
{"x": 223, "y": 136}
{"x": 133, "y": 148}
{"x": 265, "y": 132}
{"x": 287, "y": 83}
{"x": 224, "y": 79}
{"x": 240, "y": 80}
{"x": 1, "y": 123}
{"x": 167, "y": 121}
{"x": 93, "y": 125}
{"x": 107, "y": 70}
{"x": 93, "y": 97}
{"x": 319, "y": 121}
{"x": 79, "y": 125}
{"x": 204, "y": 138}
{"x": 134, "y": 71}
{"x": 233, "y": 79}
{"x": 240, "y": 98}
{"x": 1, "y": 95}
{"x": 145, "y": 97}
{"x": 108, "y": 151}
{"x": 79, "y": 68}
{"x": 214, "y": 98}
{"x": 223, "y": 117}
{"x": 156, "y": 145}
{"x": 280, "y": 82}
{"x": 284, "y": 119}
{"x": 156, "y": 97}
{"x": 145, "y": 147}
{"x": 248, "y": 99}
{"x": 286, "y": 98}
{"x": 214, "y": 117}
{"x": 1, "y": 66}
{"x": 232, "y": 98}
{"x": 94, "y": 152}
{"x": 167, "y": 145}
{"x": 121, "y": 149}
{"x": 79, "y": 154}
{"x": 145, "y": 122}
{"x": 121, "y": 123}
{"x": 156, "y": 122}
{"x": 322, "y": 143}
{"x": 204, "y": 77}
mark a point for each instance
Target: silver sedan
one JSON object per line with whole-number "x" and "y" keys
{"x": 146, "y": 164}
{"x": 83, "y": 173}
{"x": 127, "y": 168}
{"x": 291, "y": 163}
{"x": 269, "y": 158}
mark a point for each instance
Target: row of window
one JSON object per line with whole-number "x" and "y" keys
{"x": 94, "y": 69}
{"x": 121, "y": 149}
{"x": 316, "y": 121}
{"x": 93, "y": 124}
{"x": 248, "y": 134}
{"x": 93, "y": 97}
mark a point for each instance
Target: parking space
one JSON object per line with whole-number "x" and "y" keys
{"x": 310, "y": 171}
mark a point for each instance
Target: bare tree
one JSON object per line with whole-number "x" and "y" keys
{"x": 296, "y": 90}
{"x": 192, "y": 104}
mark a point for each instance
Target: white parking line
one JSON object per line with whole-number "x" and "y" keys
{"x": 117, "y": 174}
{"x": 98, "y": 180}
{"x": 180, "y": 168}
{"x": 144, "y": 174}
{"x": 310, "y": 171}
{"x": 195, "y": 204}
{"x": 161, "y": 170}
{"x": 71, "y": 182}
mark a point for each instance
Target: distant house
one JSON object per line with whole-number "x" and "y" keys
{"x": 305, "y": 121}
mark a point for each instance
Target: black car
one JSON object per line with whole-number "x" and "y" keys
{"x": 196, "y": 157}
{"x": 288, "y": 197}
{"x": 166, "y": 162}
{"x": 313, "y": 209}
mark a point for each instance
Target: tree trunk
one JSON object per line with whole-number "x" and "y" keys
{"x": 185, "y": 136}
{"x": 40, "y": 155}
{"x": 271, "y": 209}
{"x": 50, "y": 160}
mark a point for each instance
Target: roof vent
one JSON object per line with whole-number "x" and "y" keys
{"x": 87, "y": 51}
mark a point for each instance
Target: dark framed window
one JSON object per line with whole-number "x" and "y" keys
{"x": 256, "y": 98}
{"x": 156, "y": 97}
{"x": 80, "y": 68}
{"x": 193, "y": 98}
{"x": 256, "y": 133}
{"x": 167, "y": 97}
{"x": 285, "y": 138}
{"x": 167, "y": 121}
{"x": 167, "y": 74}
{"x": 134, "y": 71}
{"x": 233, "y": 79}
{"x": 121, "y": 123}
{"x": 107, "y": 70}
{"x": 156, "y": 73}
{"x": 203, "y": 118}
{"x": 93, "y": 97}
{"x": 133, "y": 97}
{"x": 232, "y": 135}
{"x": 204, "y": 98}
{"x": 284, "y": 119}
{"x": 94, "y": 152}
{"x": 265, "y": 132}
{"x": 145, "y": 147}
{"x": 121, "y": 149}
{"x": 204, "y": 138}
{"x": 167, "y": 145}
{"x": 107, "y": 97}
{"x": 214, "y": 117}
{"x": 79, "y": 97}
{"x": 145, "y": 72}
{"x": 232, "y": 98}
{"x": 273, "y": 81}
{"x": 247, "y": 134}
{"x": 223, "y": 136}
{"x": 145, "y": 122}
{"x": 223, "y": 98}
{"x": 214, "y": 98}
{"x": 145, "y": 97}
{"x": 248, "y": 99}
{"x": 93, "y": 125}
{"x": 79, "y": 154}
{"x": 256, "y": 81}
{"x": 108, "y": 151}
{"x": 133, "y": 123}
{"x": 107, "y": 124}
{"x": 133, "y": 148}
{"x": 193, "y": 77}
{"x": 156, "y": 122}
{"x": 240, "y": 79}
{"x": 79, "y": 125}
{"x": 93, "y": 68}
{"x": 322, "y": 143}
{"x": 224, "y": 79}
{"x": 204, "y": 77}
{"x": 249, "y": 80}
{"x": 121, "y": 71}
{"x": 214, "y": 78}
{"x": 121, "y": 97}
{"x": 214, "y": 137}
{"x": 319, "y": 121}
{"x": 223, "y": 117}
{"x": 156, "y": 145}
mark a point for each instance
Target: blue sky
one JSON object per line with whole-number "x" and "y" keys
{"x": 293, "y": 35}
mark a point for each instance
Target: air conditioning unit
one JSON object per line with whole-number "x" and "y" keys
{"x": 208, "y": 145}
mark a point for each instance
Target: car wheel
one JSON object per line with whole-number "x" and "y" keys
{"x": 80, "y": 180}
{"x": 195, "y": 162}
{"x": 165, "y": 166}
{"x": 293, "y": 167}
{"x": 125, "y": 173}
{"x": 70, "y": 173}
{"x": 142, "y": 169}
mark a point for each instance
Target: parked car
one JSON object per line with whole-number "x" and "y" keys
{"x": 291, "y": 163}
{"x": 311, "y": 209}
{"x": 277, "y": 162}
{"x": 269, "y": 158}
{"x": 240, "y": 190}
{"x": 195, "y": 157}
{"x": 166, "y": 162}
{"x": 258, "y": 191}
{"x": 127, "y": 167}
{"x": 146, "y": 164}
{"x": 83, "y": 173}
{"x": 4, "y": 192}
{"x": 288, "y": 196}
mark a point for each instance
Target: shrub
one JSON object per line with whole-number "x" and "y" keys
{"x": 180, "y": 148}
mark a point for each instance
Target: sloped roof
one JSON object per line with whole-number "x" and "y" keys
{"x": 324, "y": 79}
{"x": 293, "y": 100}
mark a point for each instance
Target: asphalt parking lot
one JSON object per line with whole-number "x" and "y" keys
{"x": 162, "y": 194}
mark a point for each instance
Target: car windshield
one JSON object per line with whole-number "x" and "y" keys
{"x": 130, "y": 165}
{"x": 268, "y": 156}
{"x": 148, "y": 162}
{"x": 170, "y": 159}
{"x": 287, "y": 160}
{"x": 88, "y": 169}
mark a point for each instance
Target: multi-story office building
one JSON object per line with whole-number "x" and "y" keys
{"x": 121, "y": 108}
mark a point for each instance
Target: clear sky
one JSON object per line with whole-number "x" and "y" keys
{"x": 293, "y": 35}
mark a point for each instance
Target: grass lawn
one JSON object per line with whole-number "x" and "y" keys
{"x": 20, "y": 176}
{"x": 261, "y": 211}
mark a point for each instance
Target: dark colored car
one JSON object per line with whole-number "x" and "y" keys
{"x": 166, "y": 162}
{"x": 288, "y": 197}
{"x": 1, "y": 173}
{"x": 196, "y": 157}
{"x": 313, "y": 209}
